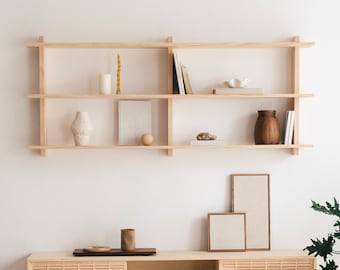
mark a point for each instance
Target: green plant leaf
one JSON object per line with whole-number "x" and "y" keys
{"x": 327, "y": 209}
{"x": 337, "y": 224}
{"x": 330, "y": 265}
{"x": 337, "y": 235}
{"x": 321, "y": 248}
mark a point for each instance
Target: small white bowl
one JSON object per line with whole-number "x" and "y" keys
{"x": 233, "y": 83}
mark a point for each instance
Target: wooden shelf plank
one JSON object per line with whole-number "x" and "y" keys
{"x": 166, "y": 45}
{"x": 245, "y": 146}
{"x": 167, "y": 96}
{"x": 272, "y": 95}
{"x": 89, "y": 96}
{"x": 244, "y": 45}
{"x": 238, "y": 146}
{"x": 98, "y": 147}
{"x": 182, "y": 255}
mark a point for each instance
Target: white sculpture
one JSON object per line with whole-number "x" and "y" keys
{"x": 235, "y": 83}
{"x": 82, "y": 129}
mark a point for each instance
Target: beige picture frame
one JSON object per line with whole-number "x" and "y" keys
{"x": 226, "y": 232}
{"x": 251, "y": 195}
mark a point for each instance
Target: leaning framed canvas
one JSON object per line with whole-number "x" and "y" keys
{"x": 250, "y": 194}
{"x": 226, "y": 232}
{"x": 134, "y": 119}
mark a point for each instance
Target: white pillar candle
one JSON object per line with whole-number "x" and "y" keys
{"x": 105, "y": 84}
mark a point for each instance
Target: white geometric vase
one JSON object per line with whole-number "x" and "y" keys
{"x": 82, "y": 129}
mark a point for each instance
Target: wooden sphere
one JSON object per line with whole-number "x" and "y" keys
{"x": 147, "y": 139}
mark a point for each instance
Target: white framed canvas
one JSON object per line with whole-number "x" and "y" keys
{"x": 226, "y": 232}
{"x": 250, "y": 194}
{"x": 134, "y": 119}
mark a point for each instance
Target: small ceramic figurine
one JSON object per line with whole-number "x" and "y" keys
{"x": 233, "y": 83}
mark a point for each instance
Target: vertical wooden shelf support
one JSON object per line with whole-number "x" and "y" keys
{"x": 42, "y": 90}
{"x": 296, "y": 90}
{"x": 170, "y": 102}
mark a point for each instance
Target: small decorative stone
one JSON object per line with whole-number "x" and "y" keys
{"x": 147, "y": 139}
{"x": 205, "y": 136}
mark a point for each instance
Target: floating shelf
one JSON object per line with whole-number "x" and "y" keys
{"x": 294, "y": 93}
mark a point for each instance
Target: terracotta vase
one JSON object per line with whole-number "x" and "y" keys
{"x": 267, "y": 128}
{"x": 82, "y": 129}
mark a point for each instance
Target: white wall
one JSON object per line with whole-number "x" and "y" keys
{"x": 73, "y": 199}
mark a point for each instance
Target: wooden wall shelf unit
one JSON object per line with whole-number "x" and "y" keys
{"x": 294, "y": 94}
{"x": 250, "y": 260}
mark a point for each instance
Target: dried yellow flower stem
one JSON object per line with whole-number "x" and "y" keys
{"x": 118, "y": 74}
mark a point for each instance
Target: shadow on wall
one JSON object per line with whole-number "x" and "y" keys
{"x": 199, "y": 232}
{"x": 33, "y": 87}
{"x": 19, "y": 264}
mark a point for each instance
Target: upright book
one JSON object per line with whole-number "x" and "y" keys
{"x": 179, "y": 72}
{"x": 175, "y": 88}
{"x": 289, "y": 131}
{"x": 187, "y": 84}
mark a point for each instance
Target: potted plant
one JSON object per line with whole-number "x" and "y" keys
{"x": 324, "y": 247}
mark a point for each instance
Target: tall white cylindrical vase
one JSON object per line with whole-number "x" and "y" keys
{"x": 82, "y": 129}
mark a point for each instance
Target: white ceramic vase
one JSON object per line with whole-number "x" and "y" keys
{"x": 82, "y": 129}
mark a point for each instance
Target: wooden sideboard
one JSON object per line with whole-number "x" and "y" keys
{"x": 252, "y": 260}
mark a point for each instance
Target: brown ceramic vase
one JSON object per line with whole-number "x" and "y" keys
{"x": 127, "y": 239}
{"x": 267, "y": 128}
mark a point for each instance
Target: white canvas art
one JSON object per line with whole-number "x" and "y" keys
{"x": 250, "y": 194}
{"x": 135, "y": 119}
{"x": 226, "y": 232}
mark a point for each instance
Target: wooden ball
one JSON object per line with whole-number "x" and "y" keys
{"x": 147, "y": 139}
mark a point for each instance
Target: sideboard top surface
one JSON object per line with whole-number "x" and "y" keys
{"x": 180, "y": 255}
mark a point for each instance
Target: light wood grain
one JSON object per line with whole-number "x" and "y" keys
{"x": 153, "y": 147}
{"x": 168, "y": 96}
{"x": 170, "y": 103}
{"x": 42, "y": 91}
{"x": 250, "y": 260}
{"x": 175, "y": 255}
{"x": 296, "y": 90}
{"x": 165, "y": 45}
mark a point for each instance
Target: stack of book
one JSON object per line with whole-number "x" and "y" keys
{"x": 236, "y": 90}
{"x": 180, "y": 79}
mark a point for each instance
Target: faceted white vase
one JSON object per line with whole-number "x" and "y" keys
{"x": 82, "y": 129}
